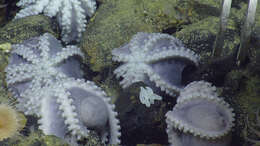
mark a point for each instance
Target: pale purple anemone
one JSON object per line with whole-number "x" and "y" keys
{"x": 71, "y": 14}
{"x": 154, "y": 58}
{"x": 47, "y": 81}
{"x": 200, "y": 117}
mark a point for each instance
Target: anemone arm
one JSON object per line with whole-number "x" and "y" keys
{"x": 66, "y": 53}
{"x": 21, "y": 73}
{"x": 53, "y": 8}
{"x": 65, "y": 20}
{"x": 25, "y": 52}
{"x": 25, "y": 68}
{"x": 23, "y": 3}
{"x": 18, "y": 79}
{"x": 33, "y": 9}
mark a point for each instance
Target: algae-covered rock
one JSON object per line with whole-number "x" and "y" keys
{"x": 5, "y": 96}
{"x": 139, "y": 124}
{"x": 200, "y": 36}
{"x": 255, "y": 39}
{"x": 116, "y": 21}
{"x": 34, "y": 139}
{"x": 2, "y": 11}
{"x": 243, "y": 91}
{"x": 254, "y": 57}
{"x": 22, "y": 29}
{"x": 3, "y": 64}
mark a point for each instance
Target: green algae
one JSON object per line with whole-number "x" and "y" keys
{"x": 3, "y": 64}
{"x": 250, "y": 103}
{"x": 37, "y": 138}
{"x": 243, "y": 92}
{"x": 6, "y": 97}
{"x": 22, "y": 29}
{"x": 2, "y": 11}
{"x": 200, "y": 36}
{"x": 34, "y": 139}
{"x": 200, "y": 10}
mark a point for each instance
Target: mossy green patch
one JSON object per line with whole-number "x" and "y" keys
{"x": 6, "y": 97}
{"x": 200, "y": 36}
{"x": 244, "y": 95}
{"x": 35, "y": 139}
{"x": 22, "y": 29}
{"x": 3, "y": 64}
{"x": 250, "y": 95}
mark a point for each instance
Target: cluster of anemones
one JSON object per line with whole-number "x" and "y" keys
{"x": 200, "y": 117}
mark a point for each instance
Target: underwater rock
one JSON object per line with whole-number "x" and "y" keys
{"x": 71, "y": 15}
{"x": 156, "y": 59}
{"x": 252, "y": 127}
{"x": 200, "y": 117}
{"x": 19, "y": 30}
{"x": 243, "y": 88}
{"x": 3, "y": 10}
{"x": 138, "y": 123}
{"x": 5, "y": 96}
{"x": 255, "y": 39}
{"x": 3, "y": 64}
{"x": 200, "y": 37}
{"x": 35, "y": 138}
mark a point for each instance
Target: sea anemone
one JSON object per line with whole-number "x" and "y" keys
{"x": 45, "y": 78}
{"x": 200, "y": 117}
{"x": 10, "y": 121}
{"x": 156, "y": 59}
